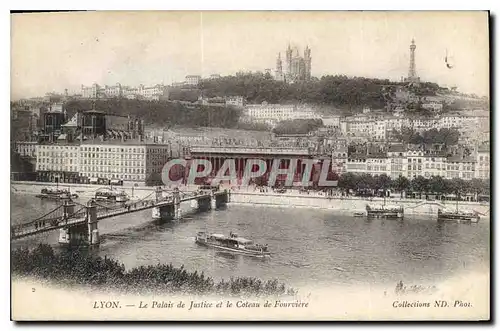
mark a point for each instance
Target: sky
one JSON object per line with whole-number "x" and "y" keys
{"x": 54, "y": 51}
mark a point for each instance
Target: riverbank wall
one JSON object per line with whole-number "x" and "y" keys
{"x": 351, "y": 205}
{"x": 339, "y": 204}
{"x": 82, "y": 190}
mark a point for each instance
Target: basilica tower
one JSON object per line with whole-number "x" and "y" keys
{"x": 307, "y": 60}
{"x": 289, "y": 59}
{"x": 279, "y": 68}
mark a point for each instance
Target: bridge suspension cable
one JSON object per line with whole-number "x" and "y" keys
{"x": 43, "y": 216}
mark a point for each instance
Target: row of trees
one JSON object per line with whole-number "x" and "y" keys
{"x": 447, "y": 137}
{"x": 298, "y": 126}
{"x": 83, "y": 268}
{"x": 422, "y": 185}
{"x": 162, "y": 112}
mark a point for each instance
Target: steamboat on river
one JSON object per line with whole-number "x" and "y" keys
{"x": 109, "y": 195}
{"x": 233, "y": 243}
{"x": 458, "y": 215}
{"x": 385, "y": 211}
{"x": 56, "y": 194}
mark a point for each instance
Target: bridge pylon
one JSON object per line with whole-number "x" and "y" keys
{"x": 213, "y": 200}
{"x": 167, "y": 209}
{"x": 158, "y": 193}
{"x": 68, "y": 209}
{"x": 93, "y": 232}
{"x": 86, "y": 233}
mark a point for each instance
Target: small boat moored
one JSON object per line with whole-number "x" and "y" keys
{"x": 233, "y": 243}
{"x": 458, "y": 216}
{"x": 111, "y": 195}
{"x": 385, "y": 211}
{"x": 56, "y": 194}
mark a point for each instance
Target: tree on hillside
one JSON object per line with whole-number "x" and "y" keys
{"x": 477, "y": 186}
{"x": 297, "y": 126}
{"x": 420, "y": 184}
{"x": 459, "y": 186}
{"x": 365, "y": 182}
{"x": 382, "y": 182}
{"x": 438, "y": 184}
{"x": 162, "y": 112}
{"x": 347, "y": 181}
{"x": 352, "y": 92}
{"x": 447, "y": 137}
{"x": 401, "y": 184}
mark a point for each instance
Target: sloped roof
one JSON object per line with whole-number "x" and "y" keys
{"x": 460, "y": 158}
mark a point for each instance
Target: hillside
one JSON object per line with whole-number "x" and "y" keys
{"x": 162, "y": 113}
{"x": 337, "y": 91}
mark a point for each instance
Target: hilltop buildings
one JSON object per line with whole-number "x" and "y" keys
{"x": 273, "y": 113}
{"x": 95, "y": 91}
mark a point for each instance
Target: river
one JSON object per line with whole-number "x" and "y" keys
{"x": 310, "y": 246}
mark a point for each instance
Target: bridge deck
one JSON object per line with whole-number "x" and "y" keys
{"x": 54, "y": 223}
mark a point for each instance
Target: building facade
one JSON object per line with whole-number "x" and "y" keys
{"x": 415, "y": 160}
{"x": 26, "y": 148}
{"x": 434, "y": 165}
{"x": 378, "y": 165}
{"x": 356, "y": 164}
{"x": 483, "y": 163}
{"x": 91, "y": 92}
{"x": 460, "y": 167}
{"x": 398, "y": 161}
{"x": 276, "y": 112}
{"x": 58, "y": 162}
{"x": 193, "y": 80}
{"x": 237, "y": 101}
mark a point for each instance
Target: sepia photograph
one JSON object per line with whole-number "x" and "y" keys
{"x": 250, "y": 166}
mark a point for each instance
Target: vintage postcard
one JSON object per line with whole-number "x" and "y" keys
{"x": 261, "y": 165}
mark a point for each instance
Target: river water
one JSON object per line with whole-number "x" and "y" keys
{"x": 310, "y": 246}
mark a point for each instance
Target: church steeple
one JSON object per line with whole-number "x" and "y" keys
{"x": 307, "y": 63}
{"x": 279, "y": 68}
{"x": 279, "y": 64}
{"x": 288, "y": 59}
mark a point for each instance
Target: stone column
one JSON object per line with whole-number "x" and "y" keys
{"x": 68, "y": 209}
{"x": 158, "y": 193}
{"x": 93, "y": 232}
{"x": 213, "y": 200}
{"x": 177, "y": 205}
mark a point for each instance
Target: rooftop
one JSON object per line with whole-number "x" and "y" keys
{"x": 119, "y": 142}
{"x": 396, "y": 148}
{"x": 94, "y": 111}
{"x": 460, "y": 158}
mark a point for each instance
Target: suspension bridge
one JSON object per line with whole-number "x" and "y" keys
{"x": 79, "y": 221}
